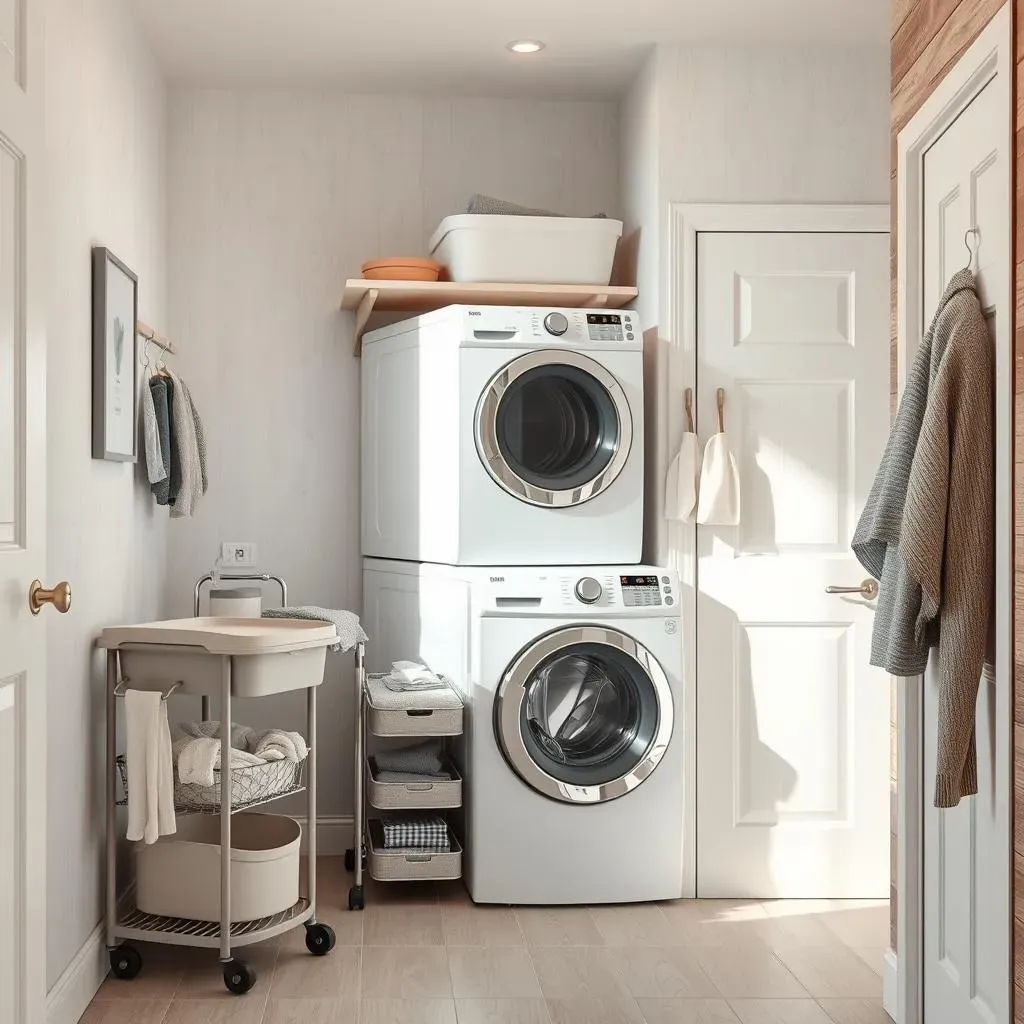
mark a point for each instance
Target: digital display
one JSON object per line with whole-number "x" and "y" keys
{"x": 638, "y": 581}
{"x": 604, "y": 318}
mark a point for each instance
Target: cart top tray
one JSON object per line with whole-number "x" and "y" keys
{"x": 237, "y": 637}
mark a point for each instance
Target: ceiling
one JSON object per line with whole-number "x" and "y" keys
{"x": 458, "y": 46}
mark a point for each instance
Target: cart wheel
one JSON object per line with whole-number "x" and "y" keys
{"x": 355, "y": 898}
{"x": 319, "y": 939}
{"x": 239, "y": 976}
{"x": 125, "y": 962}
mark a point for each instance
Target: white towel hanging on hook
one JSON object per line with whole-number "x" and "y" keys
{"x": 719, "y": 502}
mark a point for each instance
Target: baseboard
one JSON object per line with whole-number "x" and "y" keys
{"x": 69, "y": 998}
{"x": 890, "y": 985}
{"x": 333, "y": 834}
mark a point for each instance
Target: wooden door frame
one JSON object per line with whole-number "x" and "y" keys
{"x": 686, "y": 222}
{"x": 989, "y": 56}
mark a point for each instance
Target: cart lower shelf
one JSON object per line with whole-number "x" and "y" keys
{"x": 133, "y": 923}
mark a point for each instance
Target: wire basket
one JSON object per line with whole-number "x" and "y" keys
{"x": 251, "y": 785}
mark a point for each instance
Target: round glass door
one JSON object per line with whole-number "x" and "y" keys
{"x": 584, "y": 714}
{"x": 553, "y": 428}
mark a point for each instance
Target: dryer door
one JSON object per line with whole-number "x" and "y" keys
{"x": 553, "y": 428}
{"x": 584, "y": 714}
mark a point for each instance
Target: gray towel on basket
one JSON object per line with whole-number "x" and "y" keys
{"x": 436, "y": 699}
{"x": 350, "y": 632}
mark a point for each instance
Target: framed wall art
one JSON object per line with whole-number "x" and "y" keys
{"x": 115, "y": 307}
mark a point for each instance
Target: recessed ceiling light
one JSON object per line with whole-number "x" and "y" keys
{"x": 525, "y": 45}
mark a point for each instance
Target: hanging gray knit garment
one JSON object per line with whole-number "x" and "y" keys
{"x": 162, "y": 488}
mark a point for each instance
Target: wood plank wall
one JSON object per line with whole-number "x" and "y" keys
{"x": 928, "y": 37}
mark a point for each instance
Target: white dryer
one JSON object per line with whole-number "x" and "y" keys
{"x": 579, "y": 753}
{"x": 497, "y": 435}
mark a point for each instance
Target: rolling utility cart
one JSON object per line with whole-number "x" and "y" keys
{"x": 184, "y": 902}
{"x": 414, "y": 721}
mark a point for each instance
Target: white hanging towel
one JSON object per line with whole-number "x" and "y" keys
{"x": 681, "y": 482}
{"x": 719, "y": 503}
{"x": 150, "y": 769}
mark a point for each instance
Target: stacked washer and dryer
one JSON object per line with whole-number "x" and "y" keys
{"x": 502, "y": 524}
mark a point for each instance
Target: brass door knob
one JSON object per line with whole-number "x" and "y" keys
{"x": 868, "y": 589}
{"x": 59, "y": 597}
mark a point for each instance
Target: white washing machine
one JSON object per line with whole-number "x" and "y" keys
{"x": 579, "y": 751}
{"x": 498, "y": 435}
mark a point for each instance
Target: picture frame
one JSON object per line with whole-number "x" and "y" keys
{"x": 115, "y": 310}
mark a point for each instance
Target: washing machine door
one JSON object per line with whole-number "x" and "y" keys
{"x": 584, "y": 714}
{"x": 553, "y": 428}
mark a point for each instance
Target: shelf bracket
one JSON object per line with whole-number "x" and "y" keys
{"x": 366, "y": 304}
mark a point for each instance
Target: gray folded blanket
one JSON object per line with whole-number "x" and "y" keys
{"x": 419, "y": 759}
{"x": 381, "y": 696}
{"x": 350, "y": 632}
{"x": 488, "y": 205}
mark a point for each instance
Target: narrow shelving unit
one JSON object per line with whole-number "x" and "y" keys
{"x": 364, "y": 297}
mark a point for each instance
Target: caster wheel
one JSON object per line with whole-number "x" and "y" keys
{"x": 355, "y": 898}
{"x": 239, "y": 977}
{"x": 319, "y": 939}
{"x": 350, "y": 860}
{"x": 125, "y": 962}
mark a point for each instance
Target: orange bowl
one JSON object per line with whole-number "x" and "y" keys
{"x": 402, "y": 268}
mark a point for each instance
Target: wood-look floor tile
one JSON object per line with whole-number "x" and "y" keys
{"x": 347, "y": 925}
{"x": 687, "y": 1011}
{"x": 749, "y": 973}
{"x": 126, "y": 1011}
{"x": 833, "y": 972}
{"x": 407, "y": 894}
{"x": 855, "y": 1011}
{"x": 480, "y": 926}
{"x": 403, "y": 926}
{"x": 594, "y": 1011}
{"x": 558, "y": 926}
{"x": 312, "y": 1011}
{"x": 502, "y": 1011}
{"x": 633, "y": 925}
{"x": 299, "y": 975}
{"x": 671, "y": 972}
{"x": 796, "y": 923}
{"x": 406, "y": 972}
{"x": 580, "y": 973}
{"x": 779, "y": 1011}
{"x": 859, "y": 923}
{"x": 492, "y": 973}
{"x": 245, "y": 1009}
{"x": 714, "y": 923}
{"x": 873, "y": 956}
{"x": 162, "y": 970}
{"x": 408, "y": 1011}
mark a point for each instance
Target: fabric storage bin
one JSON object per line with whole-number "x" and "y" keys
{"x": 387, "y": 796}
{"x": 398, "y": 865}
{"x": 179, "y": 876}
{"x": 527, "y": 250}
{"x": 417, "y": 717}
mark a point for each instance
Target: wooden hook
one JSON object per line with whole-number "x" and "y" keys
{"x": 688, "y": 402}
{"x": 720, "y": 395}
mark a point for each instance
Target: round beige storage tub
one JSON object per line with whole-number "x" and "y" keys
{"x": 179, "y": 876}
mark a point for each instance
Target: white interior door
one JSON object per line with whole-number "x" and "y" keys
{"x": 966, "y": 849}
{"x": 22, "y": 517}
{"x": 793, "y": 725}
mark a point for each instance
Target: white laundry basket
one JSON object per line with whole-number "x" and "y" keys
{"x": 179, "y": 876}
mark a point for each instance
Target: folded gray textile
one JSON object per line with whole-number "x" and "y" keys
{"x": 158, "y": 388}
{"x": 420, "y": 758}
{"x": 437, "y": 699}
{"x": 488, "y": 205}
{"x": 350, "y": 632}
{"x": 404, "y": 777}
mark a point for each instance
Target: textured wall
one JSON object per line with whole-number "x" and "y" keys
{"x": 274, "y": 200}
{"x": 105, "y": 129}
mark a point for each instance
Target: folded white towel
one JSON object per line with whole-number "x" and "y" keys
{"x": 279, "y": 745}
{"x": 149, "y": 766}
{"x": 242, "y": 736}
{"x": 719, "y": 501}
{"x": 198, "y": 758}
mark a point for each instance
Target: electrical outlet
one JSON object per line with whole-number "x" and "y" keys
{"x": 238, "y": 553}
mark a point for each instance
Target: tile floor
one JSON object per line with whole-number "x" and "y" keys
{"x": 429, "y": 956}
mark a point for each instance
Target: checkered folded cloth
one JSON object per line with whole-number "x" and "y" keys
{"x": 423, "y": 833}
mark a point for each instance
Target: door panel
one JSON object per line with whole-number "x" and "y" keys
{"x": 793, "y": 751}
{"x": 22, "y": 516}
{"x": 966, "y": 848}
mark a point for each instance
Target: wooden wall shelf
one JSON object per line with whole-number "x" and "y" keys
{"x": 364, "y": 297}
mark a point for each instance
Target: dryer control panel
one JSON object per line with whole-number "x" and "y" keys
{"x": 643, "y": 591}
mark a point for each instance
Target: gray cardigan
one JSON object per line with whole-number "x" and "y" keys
{"x": 927, "y": 529}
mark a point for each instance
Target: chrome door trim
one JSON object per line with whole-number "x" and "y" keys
{"x": 486, "y": 429}
{"x": 512, "y": 692}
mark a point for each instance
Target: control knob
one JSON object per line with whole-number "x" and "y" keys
{"x": 588, "y": 590}
{"x": 556, "y": 323}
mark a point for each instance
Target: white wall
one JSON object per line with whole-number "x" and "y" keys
{"x": 759, "y": 125}
{"x": 106, "y": 127}
{"x": 274, "y": 200}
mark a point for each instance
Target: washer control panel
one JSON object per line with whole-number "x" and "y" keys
{"x": 642, "y": 591}
{"x": 610, "y": 326}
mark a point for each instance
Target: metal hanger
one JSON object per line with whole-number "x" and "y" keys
{"x": 972, "y": 253}
{"x": 688, "y": 402}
